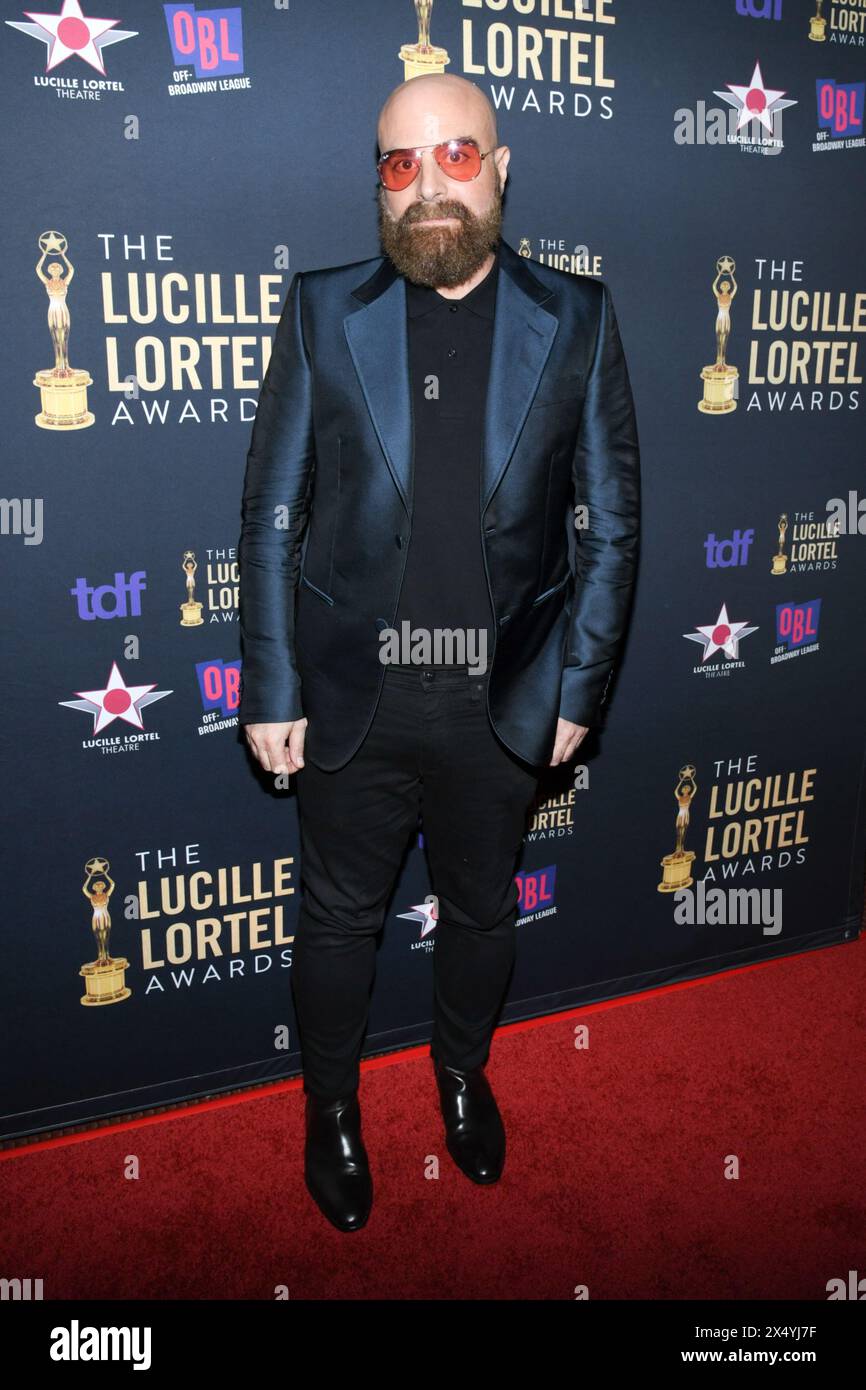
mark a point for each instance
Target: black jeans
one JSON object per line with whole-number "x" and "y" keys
{"x": 429, "y": 749}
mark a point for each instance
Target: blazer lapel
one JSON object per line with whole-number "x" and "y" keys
{"x": 379, "y": 343}
{"x": 523, "y": 334}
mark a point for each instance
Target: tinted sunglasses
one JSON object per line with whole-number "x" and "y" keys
{"x": 459, "y": 159}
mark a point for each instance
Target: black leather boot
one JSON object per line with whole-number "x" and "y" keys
{"x": 336, "y": 1167}
{"x": 474, "y": 1132}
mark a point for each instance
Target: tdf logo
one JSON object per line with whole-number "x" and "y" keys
{"x": 721, "y": 554}
{"x": 760, "y": 9}
{"x": 122, "y": 599}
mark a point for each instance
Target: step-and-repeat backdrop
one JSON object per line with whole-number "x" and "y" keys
{"x": 167, "y": 170}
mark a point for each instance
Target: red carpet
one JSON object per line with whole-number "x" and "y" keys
{"x": 615, "y": 1176}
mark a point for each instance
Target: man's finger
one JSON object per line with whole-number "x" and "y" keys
{"x": 277, "y": 758}
{"x": 558, "y": 749}
{"x": 568, "y": 740}
{"x": 296, "y": 742}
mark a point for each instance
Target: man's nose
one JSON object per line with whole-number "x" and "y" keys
{"x": 431, "y": 179}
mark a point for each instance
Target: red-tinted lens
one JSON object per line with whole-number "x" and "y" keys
{"x": 459, "y": 159}
{"x": 399, "y": 169}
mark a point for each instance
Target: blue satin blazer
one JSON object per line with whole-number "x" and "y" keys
{"x": 327, "y": 504}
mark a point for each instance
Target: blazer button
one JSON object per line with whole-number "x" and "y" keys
{"x": 399, "y": 541}
{"x": 381, "y": 623}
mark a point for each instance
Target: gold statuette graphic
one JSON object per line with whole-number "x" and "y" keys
{"x": 63, "y": 388}
{"x": 719, "y": 378}
{"x": 190, "y": 611}
{"x": 818, "y": 25}
{"x": 103, "y": 977}
{"x": 780, "y": 559}
{"x": 421, "y": 57}
{"x": 677, "y": 866}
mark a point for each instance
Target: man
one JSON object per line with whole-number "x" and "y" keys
{"x": 428, "y": 423}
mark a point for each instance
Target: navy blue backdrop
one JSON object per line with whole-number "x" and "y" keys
{"x": 185, "y": 162}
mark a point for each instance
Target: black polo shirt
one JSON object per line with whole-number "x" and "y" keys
{"x": 444, "y": 584}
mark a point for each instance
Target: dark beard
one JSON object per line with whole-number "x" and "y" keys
{"x": 440, "y": 256}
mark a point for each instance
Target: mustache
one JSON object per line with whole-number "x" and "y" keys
{"x": 419, "y": 214}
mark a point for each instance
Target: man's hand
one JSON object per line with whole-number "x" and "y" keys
{"x": 569, "y": 737}
{"x": 268, "y": 744}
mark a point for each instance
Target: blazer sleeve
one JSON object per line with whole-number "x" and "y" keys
{"x": 606, "y": 479}
{"x": 275, "y": 507}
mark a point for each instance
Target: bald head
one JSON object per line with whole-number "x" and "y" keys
{"x": 437, "y": 106}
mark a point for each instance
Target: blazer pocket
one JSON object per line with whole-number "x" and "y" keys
{"x": 552, "y": 590}
{"x": 320, "y": 593}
